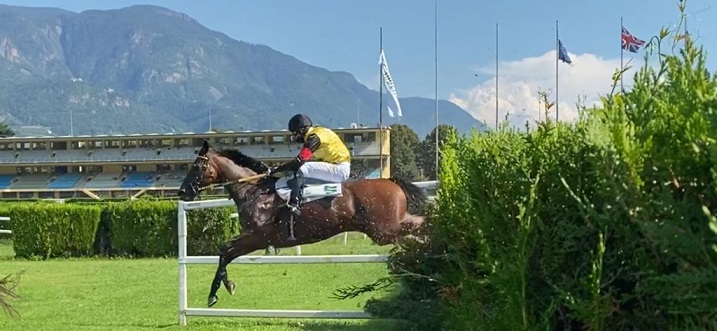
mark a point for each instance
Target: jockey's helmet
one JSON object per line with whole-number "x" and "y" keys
{"x": 299, "y": 121}
{"x": 299, "y": 125}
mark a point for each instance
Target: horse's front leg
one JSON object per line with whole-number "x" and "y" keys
{"x": 238, "y": 246}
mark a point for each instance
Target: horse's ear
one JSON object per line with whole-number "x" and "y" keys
{"x": 205, "y": 148}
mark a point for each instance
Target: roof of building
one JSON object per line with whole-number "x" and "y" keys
{"x": 166, "y": 135}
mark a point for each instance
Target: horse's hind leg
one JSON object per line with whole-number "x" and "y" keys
{"x": 230, "y": 250}
{"x": 411, "y": 227}
{"x": 411, "y": 224}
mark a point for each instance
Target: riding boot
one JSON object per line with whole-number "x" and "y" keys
{"x": 294, "y": 202}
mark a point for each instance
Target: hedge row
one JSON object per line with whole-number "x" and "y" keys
{"x": 607, "y": 224}
{"x": 140, "y": 228}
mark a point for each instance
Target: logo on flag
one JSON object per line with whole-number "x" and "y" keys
{"x": 563, "y": 53}
{"x": 388, "y": 82}
{"x": 630, "y": 42}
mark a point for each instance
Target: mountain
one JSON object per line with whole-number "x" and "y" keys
{"x": 145, "y": 69}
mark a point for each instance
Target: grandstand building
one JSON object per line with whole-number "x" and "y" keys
{"x": 132, "y": 165}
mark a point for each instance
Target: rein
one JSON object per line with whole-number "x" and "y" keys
{"x": 240, "y": 180}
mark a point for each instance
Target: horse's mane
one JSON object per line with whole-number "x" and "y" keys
{"x": 243, "y": 160}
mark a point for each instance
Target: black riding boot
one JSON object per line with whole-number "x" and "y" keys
{"x": 296, "y": 185}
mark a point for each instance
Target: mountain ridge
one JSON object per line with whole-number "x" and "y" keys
{"x": 149, "y": 69}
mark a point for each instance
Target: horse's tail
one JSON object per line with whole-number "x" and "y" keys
{"x": 415, "y": 195}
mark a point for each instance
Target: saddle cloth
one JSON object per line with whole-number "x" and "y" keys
{"x": 314, "y": 189}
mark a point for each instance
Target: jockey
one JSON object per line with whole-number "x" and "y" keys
{"x": 333, "y": 160}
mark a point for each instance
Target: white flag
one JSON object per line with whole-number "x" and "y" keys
{"x": 390, "y": 112}
{"x": 388, "y": 81}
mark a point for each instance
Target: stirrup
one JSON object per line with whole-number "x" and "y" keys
{"x": 293, "y": 209}
{"x": 291, "y": 226}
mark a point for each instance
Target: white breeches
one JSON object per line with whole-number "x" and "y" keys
{"x": 336, "y": 173}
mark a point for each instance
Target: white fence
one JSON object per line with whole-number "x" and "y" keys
{"x": 5, "y": 219}
{"x": 185, "y": 311}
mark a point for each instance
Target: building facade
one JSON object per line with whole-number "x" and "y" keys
{"x": 119, "y": 166}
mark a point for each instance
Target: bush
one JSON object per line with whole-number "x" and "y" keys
{"x": 140, "y": 228}
{"x": 605, "y": 224}
{"x": 49, "y": 229}
{"x": 5, "y": 208}
{"x": 149, "y": 228}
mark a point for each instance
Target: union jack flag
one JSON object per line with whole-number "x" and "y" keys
{"x": 630, "y": 42}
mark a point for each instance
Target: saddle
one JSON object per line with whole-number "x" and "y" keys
{"x": 313, "y": 189}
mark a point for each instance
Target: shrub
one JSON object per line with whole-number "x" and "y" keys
{"x": 149, "y": 228}
{"x": 605, "y": 224}
{"x": 141, "y": 228}
{"x": 49, "y": 229}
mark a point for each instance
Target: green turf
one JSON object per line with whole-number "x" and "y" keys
{"x": 142, "y": 294}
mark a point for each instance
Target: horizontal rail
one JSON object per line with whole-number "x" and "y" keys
{"x": 277, "y": 313}
{"x": 310, "y": 259}
{"x": 201, "y": 204}
{"x": 426, "y": 184}
{"x": 6, "y": 219}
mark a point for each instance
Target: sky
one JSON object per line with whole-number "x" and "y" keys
{"x": 344, "y": 36}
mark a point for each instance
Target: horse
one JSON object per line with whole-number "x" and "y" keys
{"x": 385, "y": 209}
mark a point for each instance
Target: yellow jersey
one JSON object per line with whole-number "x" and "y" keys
{"x": 331, "y": 149}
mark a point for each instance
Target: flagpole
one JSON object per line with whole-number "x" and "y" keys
{"x": 380, "y": 105}
{"x": 496, "y": 76}
{"x": 622, "y": 89}
{"x": 435, "y": 55}
{"x": 557, "y": 55}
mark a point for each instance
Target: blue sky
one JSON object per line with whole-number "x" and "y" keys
{"x": 344, "y": 36}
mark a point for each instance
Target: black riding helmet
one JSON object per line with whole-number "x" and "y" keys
{"x": 298, "y": 124}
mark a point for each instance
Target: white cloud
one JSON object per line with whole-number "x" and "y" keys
{"x": 588, "y": 77}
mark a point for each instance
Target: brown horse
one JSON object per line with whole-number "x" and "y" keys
{"x": 383, "y": 209}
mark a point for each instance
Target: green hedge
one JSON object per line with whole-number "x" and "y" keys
{"x": 607, "y": 224}
{"x": 50, "y": 230}
{"x": 139, "y": 228}
{"x": 143, "y": 228}
{"x": 5, "y": 208}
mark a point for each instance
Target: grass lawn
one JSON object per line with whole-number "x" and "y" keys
{"x": 142, "y": 294}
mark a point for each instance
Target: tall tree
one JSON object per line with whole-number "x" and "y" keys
{"x": 404, "y": 143}
{"x": 5, "y": 130}
{"x": 359, "y": 168}
{"x": 427, "y": 152}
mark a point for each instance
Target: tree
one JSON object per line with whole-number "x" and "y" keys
{"x": 427, "y": 153}
{"x": 5, "y": 130}
{"x": 404, "y": 144}
{"x": 359, "y": 168}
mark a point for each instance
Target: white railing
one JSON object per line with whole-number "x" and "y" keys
{"x": 185, "y": 311}
{"x": 5, "y": 219}
{"x": 183, "y": 259}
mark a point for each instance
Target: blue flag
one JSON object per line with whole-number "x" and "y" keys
{"x": 563, "y": 53}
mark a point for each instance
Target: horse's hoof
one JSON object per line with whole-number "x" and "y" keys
{"x": 231, "y": 287}
{"x": 212, "y": 300}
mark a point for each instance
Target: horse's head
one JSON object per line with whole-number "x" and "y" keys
{"x": 211, "y": 167}
{"x": 202, "y": 174}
